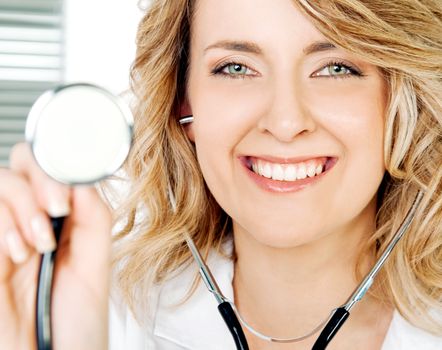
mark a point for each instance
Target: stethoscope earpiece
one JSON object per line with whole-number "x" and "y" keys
{"x": 186, "y": 119}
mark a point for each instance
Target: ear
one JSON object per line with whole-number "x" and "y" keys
{"x": 185, "y": 111}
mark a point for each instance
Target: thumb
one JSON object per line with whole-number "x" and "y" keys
{"x": 87, "y": 231}
{"x": 89, "y": 210}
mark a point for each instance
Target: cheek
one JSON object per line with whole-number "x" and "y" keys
{"x": 353, "y": 113}
{"x": 224, "y": 114}
{"x": 354, "y": 117}
{"x": 228, "y": 104}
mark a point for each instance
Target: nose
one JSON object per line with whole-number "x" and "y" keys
{"x": 288, "y": 115}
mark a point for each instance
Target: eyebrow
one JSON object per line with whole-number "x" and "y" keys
{"x": 319, "y": 46}
{"x": 251, "y": 47}
{"x": 243, "y": 46}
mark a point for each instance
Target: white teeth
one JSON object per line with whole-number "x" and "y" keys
{"x": 311, "y": 170}
{"x": 290, "y": 173}
{"x": 302, "y": 172}
{"x": 287, "y": 172}
{"x": 278, "y": 172}
{"x": 267, "y": 170}
{"x": 260, "y": 167}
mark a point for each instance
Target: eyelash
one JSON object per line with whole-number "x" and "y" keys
{"x": 218, "y": 70}
{"x": 354, "y": 72}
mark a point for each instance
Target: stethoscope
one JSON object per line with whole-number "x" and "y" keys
{"x": 330, "y": 326}
{"x": 79, "y": 134}
{"x": 70, "y": 113}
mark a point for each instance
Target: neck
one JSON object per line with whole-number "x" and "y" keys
{"x": 287, "y": 292}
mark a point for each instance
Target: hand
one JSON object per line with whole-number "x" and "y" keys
{"x": 81, "y": 276}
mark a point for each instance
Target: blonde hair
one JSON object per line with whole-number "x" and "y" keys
{"x": 402, "y": 38}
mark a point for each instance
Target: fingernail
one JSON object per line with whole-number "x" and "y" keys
{"x": 44, "y": 237}
{"x": 58, "y": 207}
{"x": 17, "y": 248}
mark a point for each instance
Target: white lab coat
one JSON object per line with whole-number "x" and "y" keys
{"x": 197, "y": 325}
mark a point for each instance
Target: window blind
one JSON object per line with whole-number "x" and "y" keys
{"x": 31, "y": 61}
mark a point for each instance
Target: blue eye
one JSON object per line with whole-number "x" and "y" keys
{"x": 233, "y": 70}
{"x": 236, "y": 69}
{"x": 337, "y": 69}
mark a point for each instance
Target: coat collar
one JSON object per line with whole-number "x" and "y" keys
{"x": 196, "y": 323}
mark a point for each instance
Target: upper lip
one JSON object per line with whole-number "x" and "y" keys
{"x": 287, "y": 160}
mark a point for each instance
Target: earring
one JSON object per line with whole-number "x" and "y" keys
{"x": 186, "y": 119}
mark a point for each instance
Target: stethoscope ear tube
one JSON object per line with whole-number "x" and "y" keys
{"x": 336, "y": 320}
{"x": 341, "y": 314}
{"x": 227, "y": 313}
{"x": 332, "y": 327}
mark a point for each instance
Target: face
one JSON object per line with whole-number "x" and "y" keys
{"x": 288, "y": 128}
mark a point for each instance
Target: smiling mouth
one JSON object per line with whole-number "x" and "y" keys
{"x": 289, "y": 172}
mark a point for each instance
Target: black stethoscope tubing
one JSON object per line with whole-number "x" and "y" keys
{"x": 44, "y": 291}
{"x": 338, "y": 317}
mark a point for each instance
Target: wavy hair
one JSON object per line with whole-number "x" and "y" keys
{"x": 402, "y": 38}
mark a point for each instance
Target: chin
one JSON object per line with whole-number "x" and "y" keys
{"x": 280, "y": 236}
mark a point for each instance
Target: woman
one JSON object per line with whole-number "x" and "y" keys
{"x": 314, "y": 125}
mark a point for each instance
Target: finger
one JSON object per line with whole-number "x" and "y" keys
{"x": 31, "y": 220}
{"x": 11, "y": 243}
{"x": 51, "y": 195}
{"x": 5, "y": 261}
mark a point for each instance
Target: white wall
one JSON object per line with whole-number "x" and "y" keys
{"x": 100, "y": 41}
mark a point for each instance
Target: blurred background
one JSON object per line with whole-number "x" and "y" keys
{"x": 44, "y": 43}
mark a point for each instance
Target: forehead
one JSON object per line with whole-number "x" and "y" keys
{"x": 268, "y": 22}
